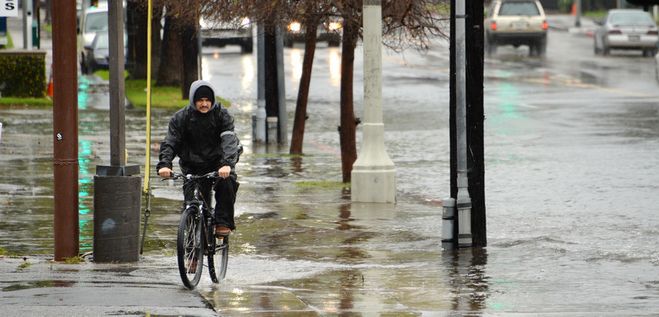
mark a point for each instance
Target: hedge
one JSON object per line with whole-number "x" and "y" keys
{"x": 22, "y": 73}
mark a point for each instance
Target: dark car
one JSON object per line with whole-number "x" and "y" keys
{"x": 97, "y": 54}
{"x": 329, "y": 32}
{"x": 237, "y": 32}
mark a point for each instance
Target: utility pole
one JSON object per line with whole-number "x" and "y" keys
{"x": 65, "y": 130}
{"x": 258, "y": 118}
{"x": 117, "y": 191}
{"x": 373, "y": 175}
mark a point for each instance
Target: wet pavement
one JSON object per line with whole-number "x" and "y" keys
{"x": 570, "y": 189}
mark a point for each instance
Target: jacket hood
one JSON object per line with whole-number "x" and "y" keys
{"x": 193, "y": 88}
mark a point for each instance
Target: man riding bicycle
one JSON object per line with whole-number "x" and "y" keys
{"x": 201, "y": 135}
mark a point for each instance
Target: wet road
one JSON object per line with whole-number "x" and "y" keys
{"x": 571, "y": 153}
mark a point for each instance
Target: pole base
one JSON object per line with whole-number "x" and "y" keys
{"x": 373, "y": 185}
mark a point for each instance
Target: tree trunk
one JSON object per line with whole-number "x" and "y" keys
{"x": 171, "y": 62}
{"x": 303, "y": 92}
{"x": 190, "y": 51}
{"x": 347, "y": 130}
{"x": 137, "y": 40}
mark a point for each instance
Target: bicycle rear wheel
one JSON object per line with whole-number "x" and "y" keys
{"x": 190, "y": 248}
{"x": 218, "y": 258}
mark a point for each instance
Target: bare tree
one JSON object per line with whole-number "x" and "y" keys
{"x": 406, "y": 23}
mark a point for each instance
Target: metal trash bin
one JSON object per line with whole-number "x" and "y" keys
{"x": 117, "y": 202}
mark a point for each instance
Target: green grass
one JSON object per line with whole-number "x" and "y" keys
{"x": 73, "y": 260}
{"x": 10, "y": 41}
{"x": 596, "y": 15}
{"x": 24, "y": 265}
{"x": 16, "y": 101}
{"x": 322, "y": 184}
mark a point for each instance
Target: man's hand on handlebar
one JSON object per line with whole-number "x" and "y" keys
{"x": 224, "y": 171}
{"x": 165, "y": 172}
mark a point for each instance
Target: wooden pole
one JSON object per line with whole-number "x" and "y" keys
{"x": 65, "y": 129}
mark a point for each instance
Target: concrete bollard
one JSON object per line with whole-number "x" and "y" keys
{"x": 117, "y": 218}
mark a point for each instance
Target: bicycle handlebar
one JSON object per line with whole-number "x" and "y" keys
{"x": 176, "y": 176}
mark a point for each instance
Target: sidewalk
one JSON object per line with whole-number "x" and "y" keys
{"x": 566, "y": 23}
{"x": 35, "y": 286}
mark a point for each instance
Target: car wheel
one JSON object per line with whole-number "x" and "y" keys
{"x": 541, "y": 47}
{"x": 247, "y": 47}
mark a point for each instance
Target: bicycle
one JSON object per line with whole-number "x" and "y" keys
{"x": 196, "y": 238}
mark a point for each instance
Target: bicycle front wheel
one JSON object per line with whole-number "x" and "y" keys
{"x": 190, "y": 248}
{"x": 218, "y": 259}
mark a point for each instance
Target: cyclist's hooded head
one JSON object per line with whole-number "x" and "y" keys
{"x": 202, "y": 89}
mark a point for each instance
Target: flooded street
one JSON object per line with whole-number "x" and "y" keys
{"x": 571, "y": 150}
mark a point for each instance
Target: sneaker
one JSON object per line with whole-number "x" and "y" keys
{"x": 192, "y": 266}
{"x": 221, "y": 231}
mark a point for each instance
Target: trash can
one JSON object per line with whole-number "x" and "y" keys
{"x": 116, "y": 218}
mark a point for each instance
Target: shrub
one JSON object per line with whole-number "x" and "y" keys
{"x": 23, "y": 73}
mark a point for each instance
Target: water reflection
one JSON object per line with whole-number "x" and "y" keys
{"x": 468, "y": 275}
{"x": 297, "y": 59}
{"x": 248, "y": 71}
{"x": 334, "y": 61}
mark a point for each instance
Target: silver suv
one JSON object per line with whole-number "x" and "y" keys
{"x": 516, "y": 22}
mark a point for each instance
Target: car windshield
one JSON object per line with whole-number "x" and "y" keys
{"x": 631, "y": 18}
{"x": 518, "y": 8}
{"x": 96, "y": 22}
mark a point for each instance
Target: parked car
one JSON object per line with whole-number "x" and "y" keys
{"x": 239, "y": 32}
{"x": 94, "y": 19}
{"x": 97, "y": 54}
{"x": 627, "y": 29}
{"x": 516, "y": 22}
{"x": 329, "y": 32}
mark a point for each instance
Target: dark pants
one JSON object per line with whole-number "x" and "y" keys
{"x": 225, "y": 197}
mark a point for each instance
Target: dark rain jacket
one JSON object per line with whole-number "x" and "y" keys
{"x": 203, "y": 141}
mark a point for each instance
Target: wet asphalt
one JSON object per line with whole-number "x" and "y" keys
{"x": 570, "y": 224}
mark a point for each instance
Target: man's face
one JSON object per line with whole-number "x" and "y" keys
{"x": 203, "y": 105}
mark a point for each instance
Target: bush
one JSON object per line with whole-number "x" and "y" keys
{"x": 23, "y": 73}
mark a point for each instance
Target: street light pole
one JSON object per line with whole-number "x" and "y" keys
{"x": 463, "y": 201}
{"x": 373, "y": 173}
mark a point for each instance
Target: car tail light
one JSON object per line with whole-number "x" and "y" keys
{"x": 545, "y": 25}
{"x": 615, "y": 32}
{"x": 653, "y": 32}
{"x": 493, "y": 25}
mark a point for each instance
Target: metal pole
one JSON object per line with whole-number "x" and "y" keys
{"x": 27, "y": 24}
{"x": 281, "y": 87}
{"x": 463, "y": 200}
{"x": 117, "y": 88}
{"x": 65, "y": 129}
{"x": 258, "y": 120}
{"x": 577, "y": 21}
{"x": 373, "y": 173}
